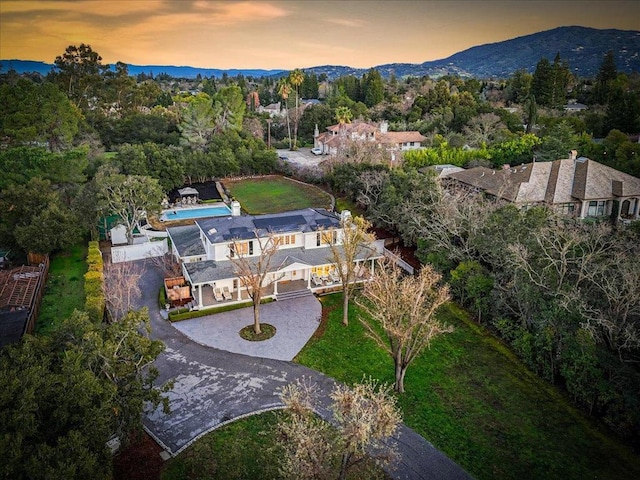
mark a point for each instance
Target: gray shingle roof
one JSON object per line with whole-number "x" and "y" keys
{"x": 560, "y": 181}
{"x": 187, "y": 240}
{"x": 223, "y": 229}
{"x": 210, "y": 271}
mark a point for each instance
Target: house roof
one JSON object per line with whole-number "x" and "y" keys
{"x": 400, "y": 137}
{"x": 560, "y": 181}
{"x": 224, "y": 229}
{"x": 186, "y": 240}
{"x": 210, "y": 271}
{"x": 357, "y": 126}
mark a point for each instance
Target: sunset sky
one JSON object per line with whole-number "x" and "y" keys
{"x": 286, "y": 34}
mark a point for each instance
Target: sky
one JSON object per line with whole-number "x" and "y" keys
{"x": 287, "y": 34}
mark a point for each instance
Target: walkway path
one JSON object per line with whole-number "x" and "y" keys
{"x": 213, "y": 387}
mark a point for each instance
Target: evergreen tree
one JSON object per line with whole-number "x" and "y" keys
{"x": 542, "y": 82}
{"x": 606, "y": 75}
{"x": 309, "y": 88}
{"x": 560, "y": 81}
{"x": 372, "y": 88}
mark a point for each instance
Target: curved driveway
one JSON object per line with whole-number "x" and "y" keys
{"x": 213, "y": 387}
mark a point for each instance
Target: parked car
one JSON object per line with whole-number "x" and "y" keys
{"x": 316, "y": 151}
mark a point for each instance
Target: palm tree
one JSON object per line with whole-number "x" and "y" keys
{"x": 296, "y": 77}
{"x": 284, "y": 89}
{"x": 344, "y": 116}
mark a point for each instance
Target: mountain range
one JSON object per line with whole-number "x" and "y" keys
{"x": 581, "y": 48}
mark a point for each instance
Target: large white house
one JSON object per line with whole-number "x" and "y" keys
{"x": 302, "y": 265}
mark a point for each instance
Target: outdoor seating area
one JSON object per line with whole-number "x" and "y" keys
{"x": 178, "y": 291}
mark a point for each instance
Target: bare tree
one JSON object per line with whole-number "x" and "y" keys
{"x": 254, "y": 270}
{"x": 365, "y": 417}
{"x": 167, "y": 264}
{"x": 399, "y": 314}
{"x": 483, "y": 129}
{"x": 121, "y": 289}
{"x": 354, "y": 242}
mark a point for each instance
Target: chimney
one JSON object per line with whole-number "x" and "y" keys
{"x": 573, "y": 154}
{"x": 316, "y": 132}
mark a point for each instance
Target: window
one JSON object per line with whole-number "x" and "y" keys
{"x": 326, "y": 237}
{"x": 286, "y": 240}
{"x": 240, "y": 249}
{"x": 597, "y": 208}
{"x": 567, "y": 209}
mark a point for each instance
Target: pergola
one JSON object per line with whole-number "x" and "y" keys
{"x": 18, "y": 286}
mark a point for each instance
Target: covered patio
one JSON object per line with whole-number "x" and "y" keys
{"x": 215, "y": 283}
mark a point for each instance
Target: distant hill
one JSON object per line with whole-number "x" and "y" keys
{"x": 25, "y": 66}
{"x": 582, "y": 48}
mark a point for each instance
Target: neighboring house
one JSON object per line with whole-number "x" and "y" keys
{"x": 444, "y": 170}
{"x": 308, "y": 102}
{"x": 273, "y": 109}
{"x": 303, "y": 263}
{"x": 573, "y": 106}
{"x": 338, "y": 135}
{"x": 577, "y": 187}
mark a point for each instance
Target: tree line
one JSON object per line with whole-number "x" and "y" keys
{"x": 563, "y": 293}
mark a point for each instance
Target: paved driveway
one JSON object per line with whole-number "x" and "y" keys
{"x": 213, "y": 387}
{"x": 295, "y": 321}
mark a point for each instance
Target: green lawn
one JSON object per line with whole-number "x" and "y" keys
{"x": 275, "y": 195}
{"x": 471, "y": 398}
{"x": 240, "y": 450}
{"x": 64, "y": 291}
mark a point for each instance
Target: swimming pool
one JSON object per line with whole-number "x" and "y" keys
{"x": 192, "y": 213}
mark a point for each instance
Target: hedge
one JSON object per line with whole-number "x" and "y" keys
{"x": 176, "y": 317}
{"x": 93, "y": 282}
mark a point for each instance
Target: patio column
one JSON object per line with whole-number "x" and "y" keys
{"x": 275, "y": 287}
{"x": 200, "y": 295}
{"x": 373, "y": 264}
{"x": 309, "y": 279}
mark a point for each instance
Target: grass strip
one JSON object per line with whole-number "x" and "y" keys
{"x": 64, "y": 290}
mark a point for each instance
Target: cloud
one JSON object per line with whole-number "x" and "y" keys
{"x": 343, "y": 22}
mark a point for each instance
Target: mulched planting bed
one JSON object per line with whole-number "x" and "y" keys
{"x": 139, "y": 461}
{"x": 267, "y": 331}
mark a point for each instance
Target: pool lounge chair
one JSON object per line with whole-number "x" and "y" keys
{"x": 316, "y": 279}
{"x": 226, "y": 293}
{"x": 217, "y": 294}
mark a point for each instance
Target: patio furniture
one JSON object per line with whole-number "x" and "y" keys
{"x": 326, "y": 280}
{"x": 217, "y": 294}
{"x": 333, "y": 275}
{"x": 226, "y": 293}
{"x": 316, "y": 280}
